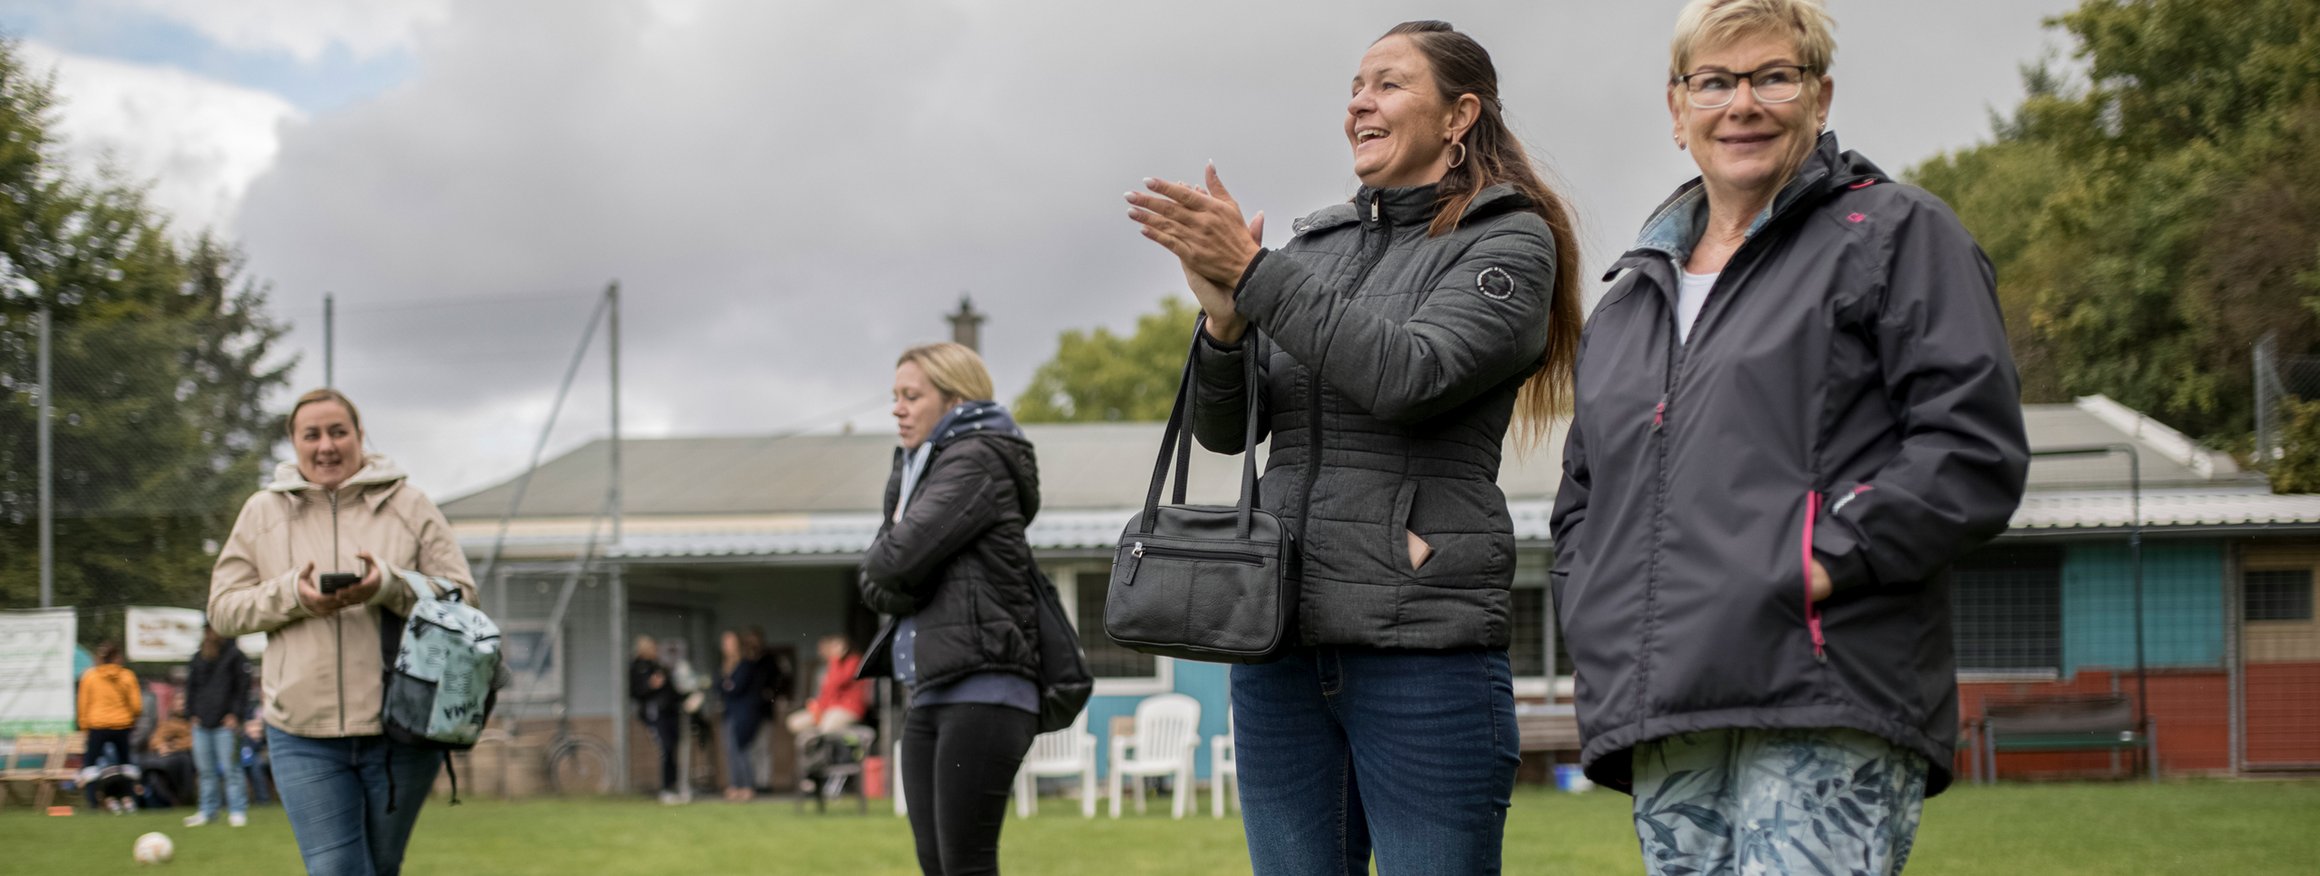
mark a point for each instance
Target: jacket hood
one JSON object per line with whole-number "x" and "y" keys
{"x": 1674, "y": 227}
{"x": 990, "y": 421}
{"x": 376, "y": 470}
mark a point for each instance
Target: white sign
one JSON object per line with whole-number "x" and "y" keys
{"x": 163, "y": 635}
{"x": 36, "y": 662}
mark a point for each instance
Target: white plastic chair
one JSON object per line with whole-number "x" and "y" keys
{"x": 1223, "y": 768}
{"x": 1167, "y": 736}
{"x": 1070, "y": 751}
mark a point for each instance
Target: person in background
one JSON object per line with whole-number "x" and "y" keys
{"x": 255, "y": 763}
{"x": 656, "y": 705}
{"x": 744, "y": 700}
{"x": 109, "y": 703}
{"x": 168, "y": 763}
{"x": 953, "y": 574}
{"x": 353, "y": 793}
{"x": 840, "y": 699}
{"x": 217, "y": 686}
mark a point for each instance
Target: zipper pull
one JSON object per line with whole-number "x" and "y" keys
{"x": 1135, "y": 558}
{"x": 1659, "y": 413}
{"x": 1373, "y": 210}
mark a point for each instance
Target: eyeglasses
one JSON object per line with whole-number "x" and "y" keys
{"x": 1714, "y": 89}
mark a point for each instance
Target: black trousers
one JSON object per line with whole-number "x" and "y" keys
{"x": 664, "y": 727}
{"x": 117, "y": 740}
{"x": 958, "y": 766}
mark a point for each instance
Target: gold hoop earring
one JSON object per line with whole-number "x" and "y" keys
{"x": 1461, "y": 159}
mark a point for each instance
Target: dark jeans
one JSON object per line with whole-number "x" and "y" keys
{"x": 958, "y": 766}
{"x": 663, "y": 722}
{"x": 1346, "y": 750}
{"x": 740, "y": 730}
{"x": 101, "y": 740}
{"x": 338, "y": 793}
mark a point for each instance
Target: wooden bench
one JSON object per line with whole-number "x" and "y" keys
{"x": 1547, "y": 728}
{"x": 2102, "y": 722}
{"x": 43, "y": 761}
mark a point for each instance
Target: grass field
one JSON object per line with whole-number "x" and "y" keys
{"x": 2186, "y": 827}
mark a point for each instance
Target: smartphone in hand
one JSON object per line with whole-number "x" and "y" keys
{"x": 332, "y": 582}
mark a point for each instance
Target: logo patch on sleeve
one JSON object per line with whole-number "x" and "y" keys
{"x": 1495, "y": 283}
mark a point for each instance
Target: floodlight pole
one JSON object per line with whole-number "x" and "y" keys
{"x": 329, "y": 340}
{"x": 618, "y": 585}
{"x": 47, "y": 465}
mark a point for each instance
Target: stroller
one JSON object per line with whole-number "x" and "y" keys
{"x": 830, "y": 762}
{"x": 113, "y": 787}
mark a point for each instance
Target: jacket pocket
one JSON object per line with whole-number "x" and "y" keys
{"x": 1812, "y": 610}
{"x": 1398, "y": 529}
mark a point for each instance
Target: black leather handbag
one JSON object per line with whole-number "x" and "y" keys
{"x": 1213, "y": 583}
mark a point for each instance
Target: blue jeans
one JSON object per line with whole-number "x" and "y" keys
{"x": 740, "y": 730}
{"x": 217, "y": 754}
{"x": 1346, "y": 750}
{"x": 338, "y": 793}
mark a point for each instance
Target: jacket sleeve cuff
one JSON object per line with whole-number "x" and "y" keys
{"x": 1262, "y": 285}
{"x": 1839, "y": 552}
{"x": 282, "y": 598}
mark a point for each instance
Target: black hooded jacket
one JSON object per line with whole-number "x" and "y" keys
{"x": 958, "y": 561}
{"x": 1846, "y": 395}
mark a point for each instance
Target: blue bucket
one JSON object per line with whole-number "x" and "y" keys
{"x": 1570, "y": 778}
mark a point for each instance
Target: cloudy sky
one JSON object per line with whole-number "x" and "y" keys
{"x": 790, "y": 192}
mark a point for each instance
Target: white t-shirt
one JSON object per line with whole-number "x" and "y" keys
{"x": 1691, "y": 295}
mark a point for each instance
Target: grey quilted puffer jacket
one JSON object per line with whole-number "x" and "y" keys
{"x": 1393, "y": 358}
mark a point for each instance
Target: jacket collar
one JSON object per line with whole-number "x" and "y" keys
{"x": 1403, "y": 207}
{"x": 377, "y": 471}
{"x": 1674, "y": 228}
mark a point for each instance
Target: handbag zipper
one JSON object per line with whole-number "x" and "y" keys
{"x": 1137, "y": 551}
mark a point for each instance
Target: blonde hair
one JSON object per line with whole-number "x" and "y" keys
{"x": 1715, "y": 22}
{"x": 954, "y": 369}
{"x": 326, "y": 394}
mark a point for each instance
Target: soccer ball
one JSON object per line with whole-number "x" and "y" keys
{"x": 154, "y": 848}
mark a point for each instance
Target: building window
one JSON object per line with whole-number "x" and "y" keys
{"x": 2008, "y": 606}
{"x": 2277, "y": 595}
{"x": 1528, "y": 654}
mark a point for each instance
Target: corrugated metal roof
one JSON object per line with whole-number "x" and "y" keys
{"x": 819, "y": 494}
{"x": 848, "y": 533}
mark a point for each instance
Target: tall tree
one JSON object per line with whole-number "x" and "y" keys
{"x": 1097, "y": 375}
{"x": 161, "y": 366}
{"x": 2153, "y": 220}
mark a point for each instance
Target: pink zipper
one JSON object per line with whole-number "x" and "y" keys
{"x": 1812, "y": 611}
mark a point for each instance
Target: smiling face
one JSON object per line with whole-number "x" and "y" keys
{"x": 1747, "y": 150}
{"x": 917, "y": 404}
{"x": 1399, "y": 126}
{"x": 328, "y": 443}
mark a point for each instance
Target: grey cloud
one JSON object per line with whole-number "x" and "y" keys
{"x": 792, "y": 192}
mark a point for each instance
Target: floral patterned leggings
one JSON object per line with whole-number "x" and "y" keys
{"x": 1776, "y": 802}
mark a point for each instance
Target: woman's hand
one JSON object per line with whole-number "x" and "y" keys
{"x": 1819, "y": 586}
{"x": 1202, "y": 226}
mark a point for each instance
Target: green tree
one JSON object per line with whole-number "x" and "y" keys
{"x": 2150, "y": 222}
{"x": 1097, "y": 375}
{"x": 160, "y": 351}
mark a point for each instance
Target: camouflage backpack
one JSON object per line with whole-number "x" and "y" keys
{"x": 446, "y": 673}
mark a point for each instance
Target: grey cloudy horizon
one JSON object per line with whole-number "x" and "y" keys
{"x": 791, "y": 193}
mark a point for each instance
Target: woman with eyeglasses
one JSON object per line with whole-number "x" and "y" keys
{"x": 1795, "y": 408}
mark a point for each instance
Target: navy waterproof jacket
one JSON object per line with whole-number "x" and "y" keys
{"x": 1846, "y": 395}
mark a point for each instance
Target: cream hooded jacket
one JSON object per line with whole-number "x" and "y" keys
{"x": 324, "y": 676}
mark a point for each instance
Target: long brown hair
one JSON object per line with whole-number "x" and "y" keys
{"x": 1494, "y": 156}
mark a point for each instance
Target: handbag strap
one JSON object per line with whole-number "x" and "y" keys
{"x": 1174, "y": 440}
